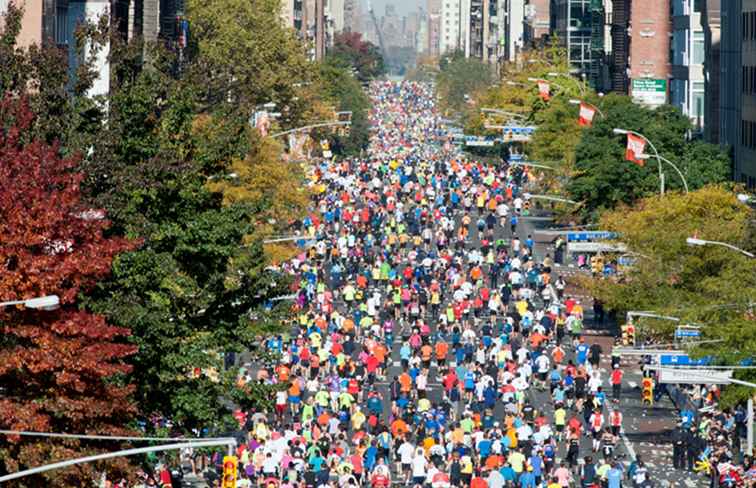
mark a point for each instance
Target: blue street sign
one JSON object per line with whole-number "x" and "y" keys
{"x": 680, "y": 333}
{"x": 682, "y": 360}
{"x": 595, "y": 235}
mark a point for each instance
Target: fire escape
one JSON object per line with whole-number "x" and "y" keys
{"x": 620, "y": 45}
{"x": 595, "y": 68}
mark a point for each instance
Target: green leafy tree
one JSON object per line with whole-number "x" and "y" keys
{"x": 706, "y": 285}
{"x": 242, "y": 53}
{"x": 603, "y": 178}
{"x": 339, "y": 84}
{"x": 198, "y": 287}
{"x": 460, "y": 79}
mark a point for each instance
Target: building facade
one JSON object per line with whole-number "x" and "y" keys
{"x": 514, "y": 29}
{"x": 571, "y": 22}
{"x": 687, "y": 86}
{"x": 455, "y": 22}
{"x": 648, "y": 64}
{"x": 434, "y": 27}
{"x": 537, "y": 22}
{"x": 737, "y": 128}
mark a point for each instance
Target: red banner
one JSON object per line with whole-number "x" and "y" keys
{"x": 544, "y": 90}
{"x": 635, "y": 147}
{"x": 585, "y": 119}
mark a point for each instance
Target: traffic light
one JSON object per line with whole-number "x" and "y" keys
{"x": 230, "y": 464}
{"x": 628, "y": 334}
{"x": 647, "y": 393}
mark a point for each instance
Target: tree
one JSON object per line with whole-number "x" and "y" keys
{"x": 241, "y": 52}
{"x": 707, "y": 285}
{"x": 339, "y": 84}
{"x": 604, "y": 179}
{"x": 197, "y": 287}
{"x": 460, "y": 79}
{"x": 64, "y": 370}
{"x": 350, "y": 49}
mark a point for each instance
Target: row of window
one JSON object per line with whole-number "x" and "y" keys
{"x": 748, "y": 80}
{"x": 749, "y": 26}
{"x": 748, "y": 134}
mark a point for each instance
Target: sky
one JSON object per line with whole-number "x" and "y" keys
{"x": 403, "y": 7}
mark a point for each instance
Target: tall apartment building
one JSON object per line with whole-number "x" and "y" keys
{"x": 434, "y": 27}
{"x": 737, "y": 129}
{"x": 482, "y": 41}
{"x": 583, "y": 27}
{"x": 455, "y": 22}
{"x": 56, "y": 21}
{"x": 640, "y": 33}
{"x": 335, "y": 13}
{"x": 514, "y": 29}
{"x": 691, "y": 80}
{"x": 293, "y": 15}
{"x": 537, "y": 22}
{"x": 571, "y": 22}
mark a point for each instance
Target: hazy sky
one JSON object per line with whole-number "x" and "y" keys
{"x": 403, "y": 7}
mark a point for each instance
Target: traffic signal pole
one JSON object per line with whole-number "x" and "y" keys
{"x": 230, "y": 442}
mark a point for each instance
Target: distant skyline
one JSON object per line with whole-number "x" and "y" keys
{"x": 403, "y": 7}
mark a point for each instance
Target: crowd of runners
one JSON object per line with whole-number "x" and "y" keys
{"x": 425, "y": 321}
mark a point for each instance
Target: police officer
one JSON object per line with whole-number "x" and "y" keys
{"x": 692, "y": 445}
{"x": 678, "y": 447}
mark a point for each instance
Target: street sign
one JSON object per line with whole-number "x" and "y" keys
{"x": 514, "y": 133}
{"x": 592, "y": 235}
{"x": 577, "y": 247}
{"x": 682, "y": 360}
{"x": 479, "y": 143}
{"x": 695, "y": 376}
{"x": 685, "y": 332}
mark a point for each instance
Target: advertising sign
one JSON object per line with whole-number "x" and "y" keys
{"x": 650, "y": 92}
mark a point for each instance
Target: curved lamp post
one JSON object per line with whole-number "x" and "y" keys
{"x": 656, "y": 153}
{"x": 693, "y": 241}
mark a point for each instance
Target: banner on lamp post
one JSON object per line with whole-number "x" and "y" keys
{"x": 634, "y": 150}
{"x": 585, "y": 119}
{"x": 544, "y": 90}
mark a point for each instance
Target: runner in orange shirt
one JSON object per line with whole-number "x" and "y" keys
{"x": 442, "y": 349}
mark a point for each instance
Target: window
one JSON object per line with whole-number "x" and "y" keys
{"x": 678, "y": 47}
{"x": 697, "y": 101}
{"x": 61, "y": 26}
{"x": 699, "y": 51}
{"x": 698, "y": 5}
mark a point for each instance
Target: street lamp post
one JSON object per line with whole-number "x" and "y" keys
{"x": 694, "y": 241}
{"x": 684, "y": 181}
{"x": 530, "y": 196}
{"x": 49, "y": 302}
{"x": 656, "y": 153}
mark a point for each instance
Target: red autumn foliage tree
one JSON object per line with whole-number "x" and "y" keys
{"x": 61, "y": 370}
